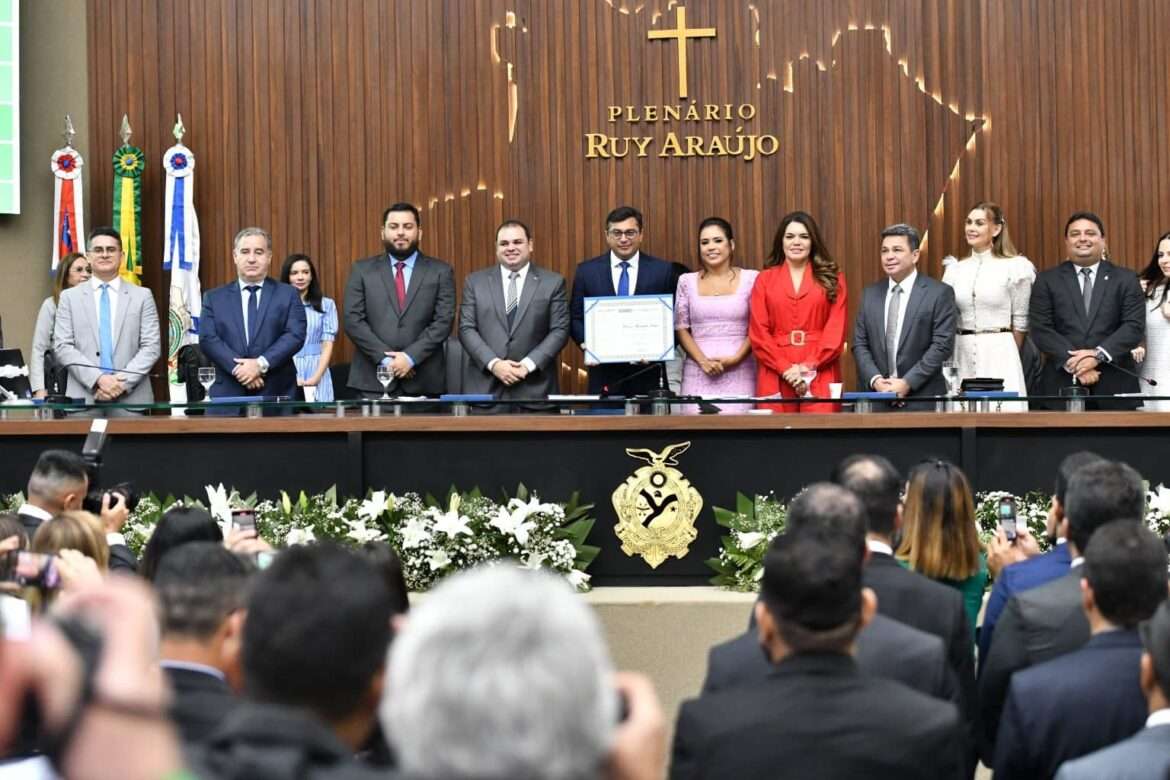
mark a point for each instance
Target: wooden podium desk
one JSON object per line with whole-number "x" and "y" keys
{"x": 557, "y": 454}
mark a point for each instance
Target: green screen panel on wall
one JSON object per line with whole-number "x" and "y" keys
{"x": 9, "y": 107}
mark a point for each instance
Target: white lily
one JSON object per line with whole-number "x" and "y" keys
{"x": 376, "y": 505}
{"x": 300, "y": 536}
{"x": 219, "y": 507}
{"x": 578, "y": 579}
{"x": 438, "y": 559}
{"x": 362, "y": 533}
{"x": 748, "y": 539}
{"x": 513, "y": 523}
{"x": 415, "y": 533}
{"x": 534, "y": 560}
{"x": 1160, "y": 500}
{"x": 452, "y": 523}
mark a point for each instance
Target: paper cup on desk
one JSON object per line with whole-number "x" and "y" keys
{"x": 310, "y": 393}
{"x": 835, "y": 389}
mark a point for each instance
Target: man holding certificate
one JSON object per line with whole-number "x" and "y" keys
{"x": 622, "y": 335}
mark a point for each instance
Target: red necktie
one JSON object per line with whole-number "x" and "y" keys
{"x": 400, "y": 283}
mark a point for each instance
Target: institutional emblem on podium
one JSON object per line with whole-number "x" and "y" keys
{"x": 657, "y": 507}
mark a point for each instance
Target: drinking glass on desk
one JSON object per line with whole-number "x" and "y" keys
{"x": 206, "y": 377}
{"x": 807, "y": 375}
{"x": 950, "y": 373}
{"x": 385, "y": 377}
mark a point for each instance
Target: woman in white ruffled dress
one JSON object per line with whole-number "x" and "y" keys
{"x": 1155, "y": 354}
{"x": 992, "y": 289}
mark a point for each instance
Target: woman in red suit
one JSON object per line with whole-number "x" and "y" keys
{"x": 798, "y": 313}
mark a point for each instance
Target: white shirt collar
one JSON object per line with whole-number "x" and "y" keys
{"x": 986, "y": 254}
{"x": 96, "y": 283}
{"x": 34, "y": 511}
{"x": 879, "y": 547}
{"x": 193, "y": 667}
{"x": 244, "y": 285}
{"x": 614, "y": 260}
{"x": 1093, "y": 268}
{"x": 906, "y": 283}
{"x": 505, "y": 272}
{"x": 1159, "y": 718}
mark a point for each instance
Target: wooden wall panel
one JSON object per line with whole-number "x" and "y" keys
{"x": 310, "y": 116}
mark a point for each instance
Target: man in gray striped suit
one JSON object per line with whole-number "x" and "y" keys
{"x": 513, "y": 322}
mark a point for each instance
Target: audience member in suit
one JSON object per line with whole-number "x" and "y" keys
{"x": 251, "y": 328}
{"x": 1145, "y": 755}
{"x": 513, "y": 322}
{"x": 546, "y": 700}
{"x": 816, "y": 715}
{"x": 1046, "y": 622}
{"x": 201, "y": 588}
{"x": 1090, "y": 698}
{"x": 904, "y": 595}
{"x": 74, "y": 269}
{"x": 921, "y": 313}
{"x": 399, "y": 306}
{"x": 1085, "y": 315}
{"x": 1023, "y": 566}
{"x": 314, "y": 650}
{"x": 885, "y": 647}
{"x": 106, "y": 333}
{"x": 623, "y": 270}
{"x": 60, "y": 482}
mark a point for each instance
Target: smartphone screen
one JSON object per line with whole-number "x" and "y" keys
{"x": 1007, "y": 518}
{"x": 244, "y": 519}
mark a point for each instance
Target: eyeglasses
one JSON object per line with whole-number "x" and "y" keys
{"x": 104, "y": 250}
{"x": 619, "y": 234}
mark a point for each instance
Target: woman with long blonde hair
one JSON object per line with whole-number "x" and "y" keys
{"x": 939, "y": 538}
{"x": 993, "y": 285}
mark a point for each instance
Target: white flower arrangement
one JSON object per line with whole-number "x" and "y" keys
{"x": 432, "y": 538}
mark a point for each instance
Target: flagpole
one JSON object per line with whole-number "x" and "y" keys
{"x": 68, "y": 206}
{"x": 181, "y": 258}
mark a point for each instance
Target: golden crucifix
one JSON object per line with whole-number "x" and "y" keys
{"x": 681, "y": 33}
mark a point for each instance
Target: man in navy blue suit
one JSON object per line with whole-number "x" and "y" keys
{"x": 1022, "y": 572}
{"x": 252, "y": 327}
{"x": 1090, "y": 698}
{"x": 623, "y": 270}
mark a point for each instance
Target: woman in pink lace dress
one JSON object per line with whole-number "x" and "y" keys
{"x": 711, "y": 321}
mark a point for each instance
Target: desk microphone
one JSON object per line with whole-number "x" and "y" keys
{"x": 112, "y": 370}
{"x": 661, "y": 392}
{"x": 1134, "y": 374}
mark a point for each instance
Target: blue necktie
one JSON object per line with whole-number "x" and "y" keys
{"x": 106, "y": 331}
{"x": 624, "y": 280}
{"x": 253, "y": 311}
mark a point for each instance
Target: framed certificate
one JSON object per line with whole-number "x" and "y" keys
{"x": 628, "y": 329}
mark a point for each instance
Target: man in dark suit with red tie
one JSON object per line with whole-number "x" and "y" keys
{"x": 1085, "y": 317}
{"x": 399, "y": 306}
{"x": 623, "y": 270}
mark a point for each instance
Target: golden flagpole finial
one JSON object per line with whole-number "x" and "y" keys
{"x": 179, "y": 130}
{"x": 69, "y": 132}
{"x": 126, "y": 132}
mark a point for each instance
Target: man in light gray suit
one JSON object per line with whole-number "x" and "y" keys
{"x": 1145, "y": 755}
{"x": 513, "y": 322}
{"x": 106, "y": 332}
{"x": 905, "y": 328}
{"x": 399, "y": 306}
